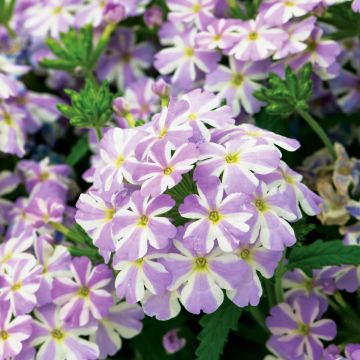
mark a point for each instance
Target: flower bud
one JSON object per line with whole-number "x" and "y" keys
{"x": 153, "y": 17}
{"x": 120, "y": 106}
{"x": 160, "y": 88}
{"x": 114, "y": 11}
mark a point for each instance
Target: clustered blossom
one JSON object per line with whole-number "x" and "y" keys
{"x": 190, "y": 204}
{"x": 227, "y": 184}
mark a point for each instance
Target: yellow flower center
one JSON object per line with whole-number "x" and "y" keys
{"x": 109, "y": 214}
{"x": 289, "y": 3}
{"x": 253, "y": 36}
{"x": 138, "y": 263}
{"x": 57, "y": 334}
{"x": 232, "y": 158}
{"x": 214, "y": 216}
{"x": 44, "y": 176}
{"x": 304, "y": 329}
{"x": 84, "y": 291}
{"x": 163, "y": 133}
{"x": 260, "y": 204}
{"x": 119, "y": 161}
{"x": 126, "y": 58}
{"x": 6, "y": 258}
{"x": 192, "y": 116}
{"x": 189, "y": 52}
{"x": 4, "y": 335}
{"x": 57, "y": 10}
{"x": 217, "y": 37}
{"x": 8, "y": 119}
{"x": 196, "y": 8}
{"x": 237, "y": 80}
{"x": 245, "y": 254}
{"x": 200, "y": 263}
{"x": 143, "y": 220}
{"x": 168, "y": 170}
{"x": 16, "y": 286}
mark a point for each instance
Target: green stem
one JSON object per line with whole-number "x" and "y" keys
{"x": 319, "y": 131}
{"x": 334, "y": 305}
{"x": 259, "y": 317}
{"x": 130, "y": 119}
{"x": 101, "y": 45}
{"x": 99, "y": 133}
{"x": 66, "y": 232}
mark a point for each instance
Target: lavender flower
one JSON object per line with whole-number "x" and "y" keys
{"x": 216, "y": 217}
{"x": 140, "y": 223}
{"x": 164, "y": 169}
{"x": 123, "y": 321}
{"x": 12, "y": 332}
{"x": 58, "y": 339}
{"x": 172, "y": 343}
{"x": 19, "y": 285}
{"x": 83, "y": 295}
{"x": 203, "y": 276}
{"x": 185, "y": 58}
{"x": 298, "y": 328}
{"x": 237, "y": 83}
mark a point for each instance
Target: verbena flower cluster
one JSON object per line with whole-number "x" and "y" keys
{"x": 178, "y": 190}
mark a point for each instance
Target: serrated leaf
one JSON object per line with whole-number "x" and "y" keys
{"x": 216, "y": 328}
{"x": 320, "y": 254}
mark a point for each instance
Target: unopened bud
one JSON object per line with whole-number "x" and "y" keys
{"x": 153, "y": 17}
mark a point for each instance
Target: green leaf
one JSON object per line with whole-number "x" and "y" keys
{"x": 288, "y": 95}
{"x": 302, "y": 229}
{"x": 216, "y": 328}
{"x": 91, "y": 107}
{"x": 320, "y": 254}
{"x": 78, "y": 151}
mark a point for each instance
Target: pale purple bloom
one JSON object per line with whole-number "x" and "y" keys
{"x": 82, "y": 296}
{"x": 135, "y": 276}
{"x": 142, "y": 101}
{"x": 257, "y": 40}
{"x": 14, "y": 249}
{"x": 18, "y": 219}
{"x": 124, "y": 61}
{"x": 257, "y": 259}
{"x": 169, "y": 125}
{"x": 95, "y": 214}
{"x": 198, "y": 12}
{"x": 8, "y": 71}
{"x": 59, "y": 340}
{"x": 237, "y": 83}
{"x": 13, "y": 332}
{"x": 356, "y": 5}
{"x": 117, "y": 152}
{"x": 139, "y": 223}
{"x": 290, "y": 182}
{"x": 218, "y": 34}
{"x": 97, "y": 11}
{"x": 50, "y": 17}
{"x": 165, "y": 167}
{"x": 204, "y": 111}
{"x": 55, "y": 261}
{"x": 249, "y": 131}
{"x": 215, "y": 217}
{"x": 299, "y": 329}
{"x": 43, "y": 211}
{"x": 123, "y": 321}
{"x": 281, "y": 11}
{"x": 271, "y": 212}
{"x": 296, "y": 283}
{"x": 153, "y": 17}
{"x": 237, "y": 161}
{"x": 346, "y": 87}
{"x": 134, "y": 7}
{"x": 45, "y": 175}
{"x": 19, "y": 285}
{"x": 8, "y": 182}
{"x": 202, "y": 277}
{"x": 164, "y": 307}
{"x": 320, "y": 52}
{"x": 172, "y": 343}
{"x": 184, "y": 59}
{"x": 297, "y": 33}
{"x": 12, "y": 130}
{"x": 352, "y": 351}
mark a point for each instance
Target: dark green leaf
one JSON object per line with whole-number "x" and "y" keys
{"x": 216, "y": 328}
{"x": 78, "y": 151}
{"x": 320, "y": 254}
